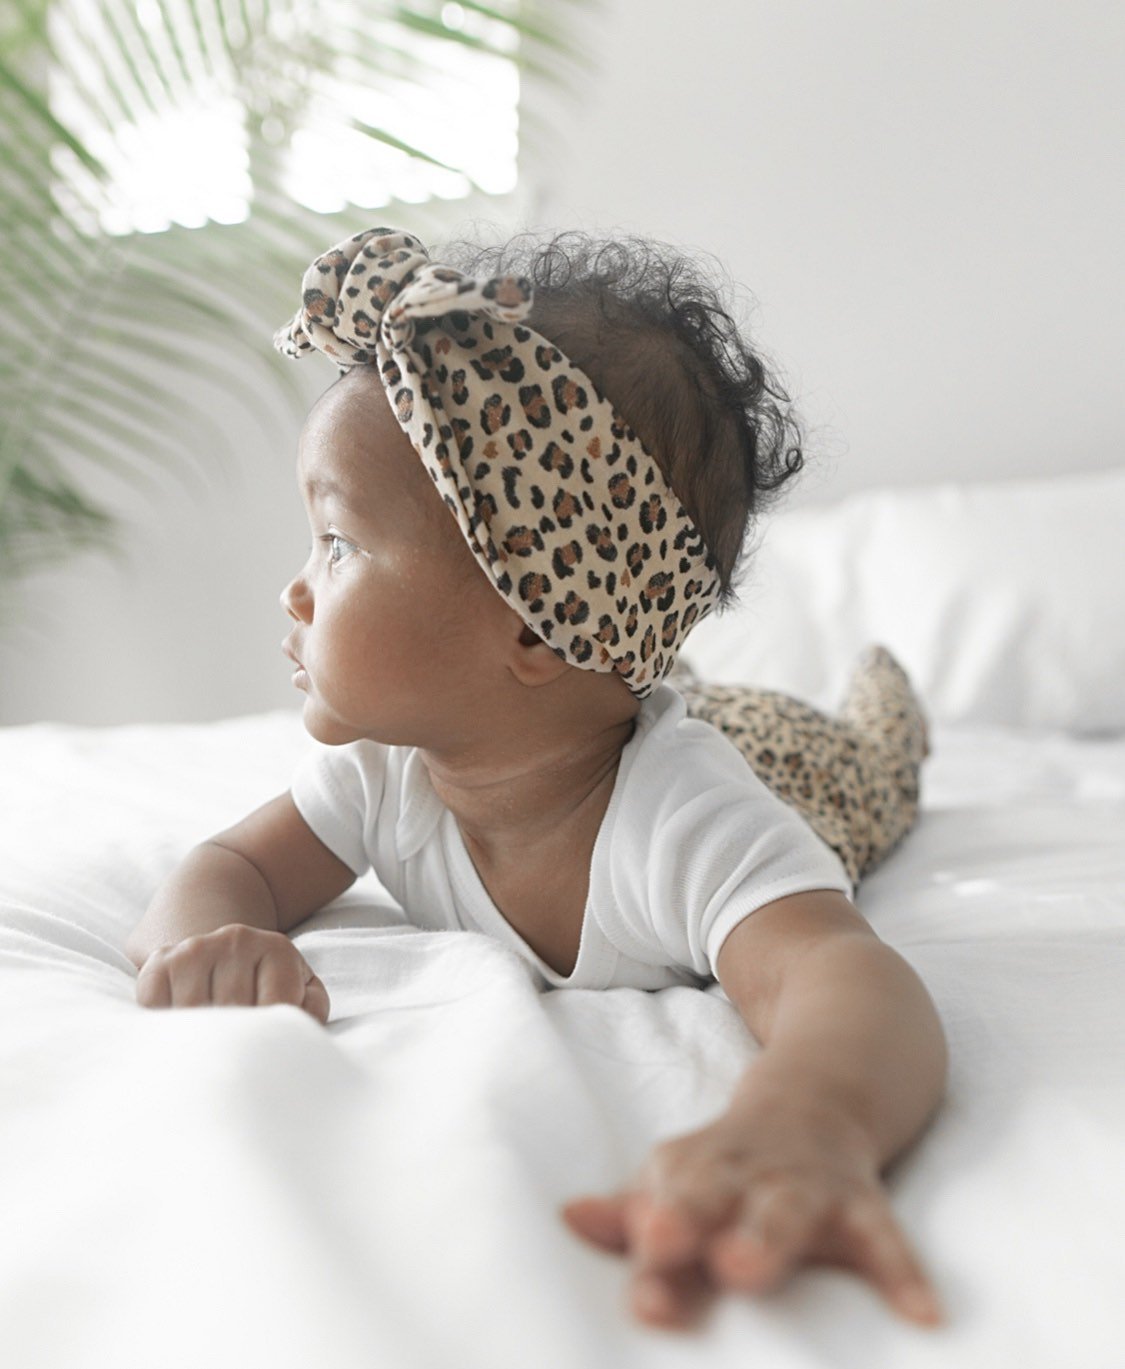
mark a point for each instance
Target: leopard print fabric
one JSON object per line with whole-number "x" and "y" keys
{"x": 566, "y": 511}
{"x": 854, "y": 777}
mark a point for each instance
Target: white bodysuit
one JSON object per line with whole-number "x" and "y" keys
{"x": 691, "y": 843}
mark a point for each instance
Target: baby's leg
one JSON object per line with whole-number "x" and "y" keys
{"x": 853, "y": 778}
{"x": 881, "y": 704}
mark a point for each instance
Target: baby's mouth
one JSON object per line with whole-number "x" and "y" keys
{"x": 300, "y": 675}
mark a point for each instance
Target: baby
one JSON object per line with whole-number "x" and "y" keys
{"x": 504, "y": 565}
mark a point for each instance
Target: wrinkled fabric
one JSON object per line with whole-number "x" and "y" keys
{"x": 241, "y": 1186}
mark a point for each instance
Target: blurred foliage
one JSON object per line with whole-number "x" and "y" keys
{"x": 87, "y": 309}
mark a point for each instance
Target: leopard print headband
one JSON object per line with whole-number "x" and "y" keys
{"x": 566, "y": 512}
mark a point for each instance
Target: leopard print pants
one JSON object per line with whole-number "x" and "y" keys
{"x": 853, "y": 777}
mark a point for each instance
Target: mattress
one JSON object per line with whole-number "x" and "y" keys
{"x": 242, "y": 1186}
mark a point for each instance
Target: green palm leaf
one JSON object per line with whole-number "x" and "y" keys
{"x": 87, "y": 308}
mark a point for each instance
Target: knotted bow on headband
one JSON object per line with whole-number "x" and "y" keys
{"x": 566, "y": 512}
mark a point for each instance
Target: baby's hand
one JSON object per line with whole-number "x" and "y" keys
{"x": 743, "y": 1203}
{"x": 235, "y": 965}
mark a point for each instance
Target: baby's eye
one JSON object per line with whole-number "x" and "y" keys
{"x": 338, "y": 547}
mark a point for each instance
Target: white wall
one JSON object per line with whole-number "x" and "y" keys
{"x": 922, "y": 204}
{"x": 926, "y": 201}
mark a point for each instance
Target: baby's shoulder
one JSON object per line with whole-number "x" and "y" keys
{"x": 679, "y": 756}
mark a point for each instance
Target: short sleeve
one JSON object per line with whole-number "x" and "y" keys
{"x": 719, "y": 858}
{"x": 788, "y": 858}
{"x": 338, "y": 791}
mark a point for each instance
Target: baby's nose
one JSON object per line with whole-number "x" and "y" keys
{"x": 293, "y": 597}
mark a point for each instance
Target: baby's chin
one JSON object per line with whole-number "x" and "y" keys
{"x": 323, "y": 727}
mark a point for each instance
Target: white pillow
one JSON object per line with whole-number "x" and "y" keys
{"x": 1004, "y": 602}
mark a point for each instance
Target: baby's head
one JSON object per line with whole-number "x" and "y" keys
{"x": 646, "y": 440}
{"x": 644, "y": 321}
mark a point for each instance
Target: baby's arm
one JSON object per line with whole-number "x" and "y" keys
{"x": 853, "y": 1065}
{"x": 215, "y": 930}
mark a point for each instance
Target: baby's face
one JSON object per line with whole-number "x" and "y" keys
{"x": 391, "y": 610}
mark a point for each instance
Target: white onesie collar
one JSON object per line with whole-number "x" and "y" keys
{"x": 420, "y": 808}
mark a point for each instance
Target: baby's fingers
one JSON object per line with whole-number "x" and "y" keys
{"x": 601, "y": 1221}
{"x": 284, "y": 976}
{"x": 174, "y": 976}
{"x": 671, "y": 1297}
{"x": 871, "y": 1241}
{"x": 666, "y": 1287}
{"x": 316, "y": 1000}
{"x": 154, "y": 985}
{"x": 778, "y": 1227}
{"x": 660, "y": 1235}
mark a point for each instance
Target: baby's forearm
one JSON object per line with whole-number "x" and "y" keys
{"x": 854, "y": 1027}
{"x": 210, "y": 888}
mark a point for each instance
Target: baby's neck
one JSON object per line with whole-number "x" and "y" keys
{"x": 507, "y": 811}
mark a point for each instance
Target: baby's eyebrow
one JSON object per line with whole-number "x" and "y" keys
{"x": 355, "y": 504}
{"x": 325, "y": 486}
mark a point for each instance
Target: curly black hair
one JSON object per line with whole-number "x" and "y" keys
{"x": 650, "y": 329}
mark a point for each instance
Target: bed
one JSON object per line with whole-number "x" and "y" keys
{"x": 233, "y": 1186}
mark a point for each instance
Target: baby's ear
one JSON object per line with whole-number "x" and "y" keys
{"x": 532, "y": 661}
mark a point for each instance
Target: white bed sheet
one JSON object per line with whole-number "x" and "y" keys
{"x": 243, "y": 1187}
